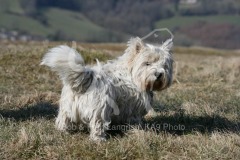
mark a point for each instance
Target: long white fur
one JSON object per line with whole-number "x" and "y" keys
{"x": 117, "y": 92}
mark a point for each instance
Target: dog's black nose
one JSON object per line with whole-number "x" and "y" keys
{"x": 158, "y": 75}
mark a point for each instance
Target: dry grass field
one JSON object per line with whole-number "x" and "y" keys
{"x": 197, "y": 118}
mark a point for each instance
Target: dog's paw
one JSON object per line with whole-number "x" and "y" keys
{"x": 151, "y": 113}
{"x": 98, "y": 138}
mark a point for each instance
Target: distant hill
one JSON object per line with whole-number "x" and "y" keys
{"x": 54, "y": 24}
{"x": 117, "y": 20}
{"x": 218, "y": 31}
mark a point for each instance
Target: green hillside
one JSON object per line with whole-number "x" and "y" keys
{"x": 59, "y": 24}
{"x": 218, "y": 31}
{"x": 23, "y": 23}
{"x": 12, "y": 6}
{"x": 115, "y": 21}
{"x": 72, "y": 24}
{"x": 182, "y": 21}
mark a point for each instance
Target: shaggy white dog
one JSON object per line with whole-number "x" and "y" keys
{"x": 118, "y": 92}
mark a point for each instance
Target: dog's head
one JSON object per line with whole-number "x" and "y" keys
{"x": 150, "y": 66}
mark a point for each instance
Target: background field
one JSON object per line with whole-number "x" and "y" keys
{"x": 116, "y": 21}
{"x": 204, "y": 98}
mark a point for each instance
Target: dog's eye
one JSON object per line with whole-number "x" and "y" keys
{"x": 148, "y": 63}
{"x": 166, "y": 66}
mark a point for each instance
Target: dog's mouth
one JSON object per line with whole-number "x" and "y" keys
{"x": 155, "y": 84}
{"x": 158, "y": 85}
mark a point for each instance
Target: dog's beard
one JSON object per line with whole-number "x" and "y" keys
{"x": 147, "y": 81}
{"x": 154, "y": 84}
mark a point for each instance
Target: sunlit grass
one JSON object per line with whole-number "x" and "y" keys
{"x": 204, "y": 100}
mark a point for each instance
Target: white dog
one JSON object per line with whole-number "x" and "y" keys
{"x": 118, "y": 92}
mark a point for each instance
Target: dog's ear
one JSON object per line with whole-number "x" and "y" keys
{"x": 135, "y": 45}
{"x": 167, "y": 45}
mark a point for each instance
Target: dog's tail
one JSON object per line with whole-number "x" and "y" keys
{"x": 70, "y": 67}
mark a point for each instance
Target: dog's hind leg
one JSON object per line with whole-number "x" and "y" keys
{"x": 64, "y": 118}
{"x": 100, "y": 122}
{"x": 63, "y": 123}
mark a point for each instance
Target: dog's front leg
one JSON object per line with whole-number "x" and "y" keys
{"x": 97, "y": 130}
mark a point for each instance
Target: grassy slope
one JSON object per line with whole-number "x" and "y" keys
{"x": 12, "y": 6}
{"x": 69, "y": 23}
{"x": 185, "y": 21}
{"x": 23, "y": 23}
{"x": 184, "y": 39}
{"x": 205, "y": 100}
{"x": 73, "y": 24}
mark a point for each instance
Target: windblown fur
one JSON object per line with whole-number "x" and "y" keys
{"x": 118, "y": 92}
